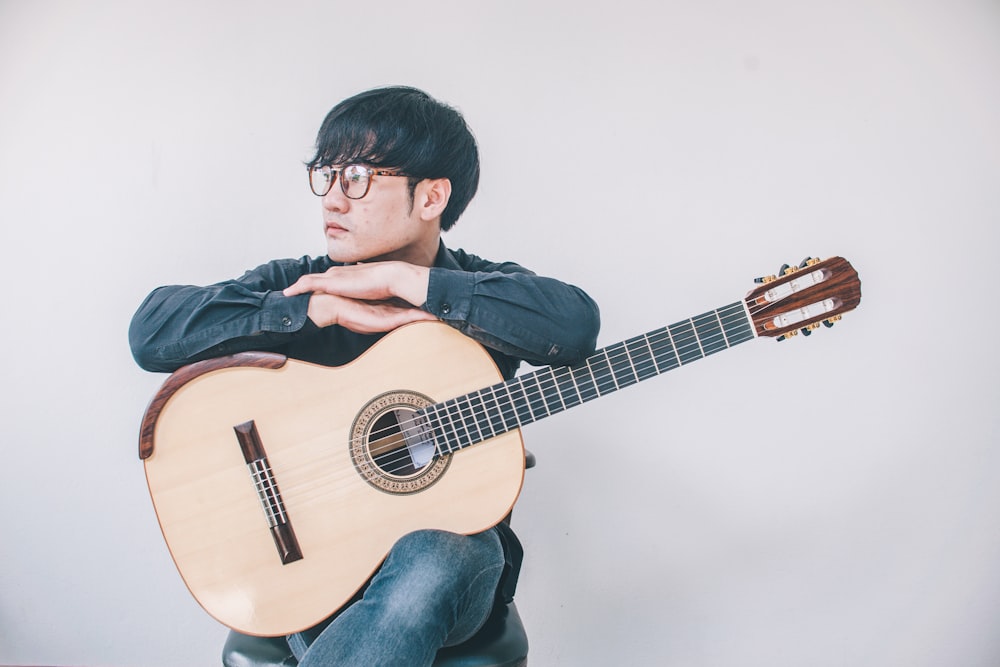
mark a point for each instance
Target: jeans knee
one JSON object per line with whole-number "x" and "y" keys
{"x": 435, "y": 564}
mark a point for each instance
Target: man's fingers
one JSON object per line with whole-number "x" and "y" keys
{"x": 361, "y": 316}
{"x": 357, "y": 282}
{"x": 298, "y": 287}
{"x": 377, "y": 318}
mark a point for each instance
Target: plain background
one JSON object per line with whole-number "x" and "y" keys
{"x": 830, "y": 501}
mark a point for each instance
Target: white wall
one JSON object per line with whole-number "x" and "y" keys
{"x": 831, "y": 501}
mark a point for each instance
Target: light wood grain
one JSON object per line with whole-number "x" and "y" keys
{"x": 209, "y": 511}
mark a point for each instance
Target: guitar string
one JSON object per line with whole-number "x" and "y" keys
{"x": 321, "y": 487}
{"x": 536, "y": 396}
{"x": 678, "y": 345}
{"x": 550, "y": 378}
{"x": 686, "y": 342}
{"x": 681, "y": 344}
{"x": 688, "y": 337}
{"x": 530, "y": 394}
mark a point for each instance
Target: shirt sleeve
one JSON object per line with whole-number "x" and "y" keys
{"x": 514, "y": 311}
{"x": 179, "y": 324}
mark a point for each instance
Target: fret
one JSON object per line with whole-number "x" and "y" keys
{"x": 568, "y": 389}
{"x": 718, "y": 319}
{"x": 511, "y": 410}
{"x": 709, "y": 333}
{"x": 482, "y": 412}
{"x": 673, "y": 349}
{"x": 685, "y": 342}
{"x": 641, "y": 358}
{"x": 621, "y": 367}
{"x": 525, "y": 415}
{"x": 498, "y": 419}
{"x": 696, "y": 338}
{"x": 438, "y": 430}
{"x": 551, "y": 374}
{"x": 550, "y": 390}
{"x": 663, "y": 350}
{"x": 459, "y": 427}
{"x": 652, "y": 353}
{"x": 447, "y": 428}
{"x": 583, "y": 376}
{"x": 600, "y": 372}
{"x": 611, "y": 367}
{"x": 736, "y": 323}
{"x": 452, "y": 434}
{"x": 536, "y": 397}
{"x": 469, "y": 419}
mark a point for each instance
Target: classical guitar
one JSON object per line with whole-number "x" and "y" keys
{"x": 280, "y": 485}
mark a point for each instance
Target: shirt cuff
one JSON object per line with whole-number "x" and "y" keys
{"x": 449, "y": 294}
{"x": 280, "y": 313}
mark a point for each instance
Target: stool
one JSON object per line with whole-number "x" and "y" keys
{"x": 501, "y": 642}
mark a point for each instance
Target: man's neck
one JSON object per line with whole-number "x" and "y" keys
{"x": 424, "y": 254}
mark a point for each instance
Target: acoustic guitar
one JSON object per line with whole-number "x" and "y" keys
{"x": 280, "y": 485}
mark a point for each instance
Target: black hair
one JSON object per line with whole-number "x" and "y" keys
{"x": 406, "y": 129}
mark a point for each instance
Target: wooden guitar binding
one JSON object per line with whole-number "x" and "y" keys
{"x": 187, "y": 373}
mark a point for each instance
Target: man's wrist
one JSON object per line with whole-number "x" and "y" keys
{"x": 412, "y": 284}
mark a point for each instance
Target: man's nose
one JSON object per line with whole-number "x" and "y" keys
{"x": 335, "y": 199}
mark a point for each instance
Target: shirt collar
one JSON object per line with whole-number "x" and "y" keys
{"x": 445, "y": 259}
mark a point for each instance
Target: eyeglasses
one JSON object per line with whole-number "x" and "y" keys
{"x": 355, "y": 179}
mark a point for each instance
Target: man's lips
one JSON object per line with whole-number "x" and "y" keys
{"x": 334, "y": 228}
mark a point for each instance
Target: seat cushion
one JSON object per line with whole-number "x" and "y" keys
{"x": 502, "y": 642}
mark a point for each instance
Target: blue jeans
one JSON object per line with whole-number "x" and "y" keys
{"x": 434, "y": 589}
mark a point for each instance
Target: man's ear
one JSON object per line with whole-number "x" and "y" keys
{"x": 431, "y": 197}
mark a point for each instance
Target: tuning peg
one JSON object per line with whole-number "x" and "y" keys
{"x": 808, "y": 329}
{"x": 829, "y": 322}
{"x": 786, "y": 269}
{"x": 788, "y": 334}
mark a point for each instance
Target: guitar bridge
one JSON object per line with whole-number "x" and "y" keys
{"x": 268, "y": 493}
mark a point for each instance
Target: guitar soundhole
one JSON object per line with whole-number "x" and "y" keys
{"x": 393, "y": 447}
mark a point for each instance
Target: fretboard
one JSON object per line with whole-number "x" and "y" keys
{"x": 485, "y": 413}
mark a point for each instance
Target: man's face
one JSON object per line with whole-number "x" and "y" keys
{"x": 382, "y": 225}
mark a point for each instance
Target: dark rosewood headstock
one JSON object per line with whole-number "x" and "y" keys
{"x": 803, "y": 297}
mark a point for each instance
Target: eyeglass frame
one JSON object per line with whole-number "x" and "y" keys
{"x": 338, "y": 176}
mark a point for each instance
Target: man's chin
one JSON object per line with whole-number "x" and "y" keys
{"x": 343, "y": 255}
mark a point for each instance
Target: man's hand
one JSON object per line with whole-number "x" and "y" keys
{"x": 366, "y": 298}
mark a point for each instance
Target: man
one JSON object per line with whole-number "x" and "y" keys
{"x": 394, "y": 168}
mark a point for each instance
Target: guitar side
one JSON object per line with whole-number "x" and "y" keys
{"x": 306, "y": 417}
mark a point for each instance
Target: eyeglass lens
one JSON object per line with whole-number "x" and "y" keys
{"x": 354, "y": 180}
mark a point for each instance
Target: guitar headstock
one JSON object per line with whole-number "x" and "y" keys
{"x": 800, "y": 298}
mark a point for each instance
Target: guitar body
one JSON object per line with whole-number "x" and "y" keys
{"x": 316, "y": 426}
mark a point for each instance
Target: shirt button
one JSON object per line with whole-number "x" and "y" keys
{"x": 286, "y": 320}
{"x": 445, "y": 308}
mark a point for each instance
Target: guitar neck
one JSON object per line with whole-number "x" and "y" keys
{"x": 472, "y": 418}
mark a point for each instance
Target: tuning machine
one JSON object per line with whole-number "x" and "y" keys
{"x": 787, "y": 334}
{"x": 809, "y": 328}
{"x": 787, "y": 269}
